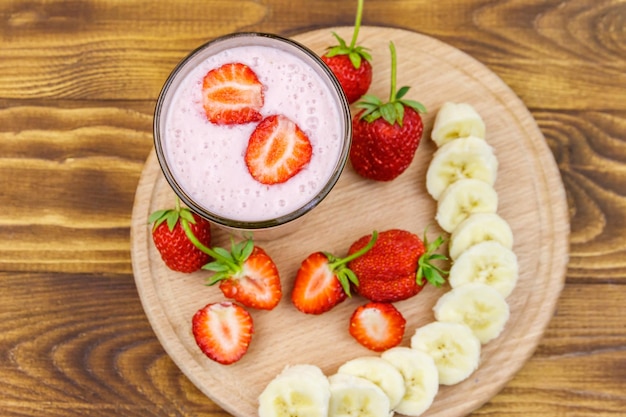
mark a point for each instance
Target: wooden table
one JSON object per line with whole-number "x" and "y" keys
{"x": 78, "y": 84}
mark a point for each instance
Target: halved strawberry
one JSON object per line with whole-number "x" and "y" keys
{"x": 277, "y": 150}
{"x": 377, "y": 326}
{"x": 323, "y": 281}
{"x": 232, "y": 94}
{"x": 246, "y": 274}
{"x": 316, "y": 288}
{"x": 223, "y": 331}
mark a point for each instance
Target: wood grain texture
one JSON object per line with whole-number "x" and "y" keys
{"x": 98, "y": 357}
{"x": 535, "y": 208}
{"x": 67, "y": 175}
{"x": 84, "y": 350}
{"x": 65, "y": 259}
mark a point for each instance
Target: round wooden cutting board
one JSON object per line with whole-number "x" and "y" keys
{"x": 532, "y": 200}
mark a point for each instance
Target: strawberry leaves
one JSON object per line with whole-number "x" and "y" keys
{"x": 227, "y": 263}
{"x": 354, "y": 52}
{"x": 393, "y": 110}
{"x": 171, "y": 216}
{"x": 426, "y": 269}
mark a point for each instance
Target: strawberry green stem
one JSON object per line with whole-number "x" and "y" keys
{"x": 185, "y": 225}
{"x": 360, "y": 252}
{"x": 392, "y": 111}
{"x": 357, "y": 24}
{"x": 392, "y": 95}
{"x": 344, "y": 274}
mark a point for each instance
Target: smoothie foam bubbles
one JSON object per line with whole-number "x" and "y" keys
{"x": 204, "y": 162}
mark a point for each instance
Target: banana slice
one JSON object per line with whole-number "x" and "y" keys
{"x": 480, "y": 307}
{"x": 463, "y": 198}
{"x": 488, "y": 263}
{"x": 301, "y": 390}
{"x": 380, "y": 372}
{"x": 479, "y": 227}
{"x": 469, "y": 157}
{"x": 453, "y": 346}
{"x": 421, "y": 379}
{"x": 355, "y": 396}
{"x": 456, "y": 120}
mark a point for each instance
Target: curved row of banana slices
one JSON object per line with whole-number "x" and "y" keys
{"x": 461, "y": 178}
{"x": 401, "y": 379}
{"x": 484, "y": 271}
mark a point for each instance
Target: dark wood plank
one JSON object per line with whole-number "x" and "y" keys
{"x": 76, "y": 345}
{"x": 590, "y": 151}
{"x": 67, "y": 184}
{"x": 540, "y": 50}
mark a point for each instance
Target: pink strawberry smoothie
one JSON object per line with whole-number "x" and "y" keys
{"x": 207, "y": 160}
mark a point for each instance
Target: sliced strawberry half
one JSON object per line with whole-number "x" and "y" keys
{"x": 377, "y": 326}
{"x": 316, "y": 288}
{"x": 246, "y": 274}
{"x": 257, "y": 285}
{"x": 277, "y": 150}
{"x": 232, "y": 94}
{"x": 323, "y": 280}
{"x": 223, "y": 331}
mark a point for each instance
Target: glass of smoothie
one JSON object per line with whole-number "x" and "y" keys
{"x": 205, "y": 160}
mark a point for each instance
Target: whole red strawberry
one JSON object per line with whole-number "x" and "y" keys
{"x": 395, "y": 268}
{"x": 323, "y": 280}
{"x": 385, "y": 136}
{"x": 351, "y": 63}
{"x": 246, "y": 274}
{"x": 174, "y": 244}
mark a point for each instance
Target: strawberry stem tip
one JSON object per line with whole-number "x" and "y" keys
{"x": 433, "y": 274}
{"x": 344, "y": 274}
{"x": 393, "y": 110}
{"x": 354, "y": 52}
{"x": 357, "y": 23}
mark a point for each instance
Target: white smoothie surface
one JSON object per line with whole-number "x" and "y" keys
{"x": 207, "y": 160}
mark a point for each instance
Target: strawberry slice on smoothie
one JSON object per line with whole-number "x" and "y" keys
{"x": 232, "y": 94}
{"x": 277, "y": 150}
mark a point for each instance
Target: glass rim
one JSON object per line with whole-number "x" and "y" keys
{"x": 257, "y": 38}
